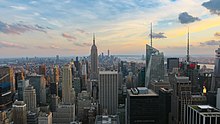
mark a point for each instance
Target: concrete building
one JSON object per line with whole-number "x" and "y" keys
{"x": 67, "y": 90}
{"x": 172, "y": 63}
{"x": 30, "y": 98}
{"x": 94, "y": 60}
{"x": 22, "y": 84}
{"x": 39, "y": 84}
{"x": 165, "y": 105}
{"x": 64, "y": 114}
{"x": 202, "y": 114}
{"x": 83, "y": 100}
{"x": 218, "y": 99}
{"x": 19, "y": 112}
{"x": 108, "y": 91}
{"x": 32, "y": 118}
{"x": 45, "y": 118}
{"x": 142, "y": 106}
{"x": 107, "y": 119}
{"x": 181, "y": 97}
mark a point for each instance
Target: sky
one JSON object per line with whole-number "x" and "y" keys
{"x": 66, "y": 27}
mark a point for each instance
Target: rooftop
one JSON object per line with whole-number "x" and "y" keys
{"x": 141, "y": 91}
{"x": 108, "y": 72}
{"x": 205, "y": 109}
{"x": 107, "y": 119}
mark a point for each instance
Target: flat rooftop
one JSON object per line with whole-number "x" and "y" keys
{"x": 148, "y": 93}
{"x": 108, "y": 72}
{"x": 205, "y": 109}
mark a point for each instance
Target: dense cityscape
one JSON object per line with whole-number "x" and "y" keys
{"x": 38, "y": 86}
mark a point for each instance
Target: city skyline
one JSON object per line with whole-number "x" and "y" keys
{"x": 48, "y": 28}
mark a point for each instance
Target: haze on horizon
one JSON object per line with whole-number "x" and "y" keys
{"x": 48, "y": 28}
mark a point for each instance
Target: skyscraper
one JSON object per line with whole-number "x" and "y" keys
{"x": 84, "y": 77}
{"x": 142, "y": 106}
{"x": 202, "y": 114}
{"x": 94, "y": 61}
{"x": 216, "y": 76}
{"x": 180, "y": 98}
{"x": 42, "y": 69}
{"x": 30, "y": 98}
{"x": 7, "y": 87}
{"x": 172, "y": 63}
{"x": 19, "y": 112}
{"x": 67, "y": 91}
{"x": 108, "y": 91}
{"x": 155, "y": 67}
{"x": 39, "y": 84}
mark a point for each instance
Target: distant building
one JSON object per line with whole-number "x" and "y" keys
{"x": 172, "y": 63}
{"x": 45, "y": 118}
{"x": 22, "y": 84}
{"x": 154, "y": 65}
{"x": 94, "y": 61}
{"x": 156, "y": 86}
{"x": 39, "y": 84}
{"x": 107, "y": 119}
{"x": 202, "y": 114}
{"x": 30, "y": 98}
{"x": 42, "y": 69}
{"x": 108, "y": 91}
{"x": 19, "y": 112}
{"x": 67, "y": 90}
{"x": 54, "y": 102}
{"x": 142, "y": 106}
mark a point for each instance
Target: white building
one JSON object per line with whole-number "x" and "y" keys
{"x": 108, "y": 91}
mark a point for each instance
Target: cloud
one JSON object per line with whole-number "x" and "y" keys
{"x": 185, "y": 18}
{"x": 213, "y": 6}
{"x": 82, "y": 31}
{"x": 19, "y": 7}
{"x": 83, "y": 44}
{"x": 18, "y": 28}
{"x": 54, "y": 47}
{"x": 159, "y": 35}
{"x": 210, "y": 43}
{"x": 11, "y": 45}
{"x": 69, "y": 37}
{"x": 217, "y": 34}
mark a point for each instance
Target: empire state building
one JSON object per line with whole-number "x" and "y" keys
{"x": 94, "y": 61}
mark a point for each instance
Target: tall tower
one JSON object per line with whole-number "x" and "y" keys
{"x": 67, "y": 85}
{"x": 94, "y": 60}
{"x": 187, "y": 56}
{"x": 151, "y": 35}
{"x": 108, "y": 91}
{"x": 30, "y": 98}
{"x": 84, "y": 76}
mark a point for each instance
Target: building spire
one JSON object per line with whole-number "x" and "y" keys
{"x": 93, "y": 38}
{"x": 151, "y": 35}
{"x": 188, "y": 47}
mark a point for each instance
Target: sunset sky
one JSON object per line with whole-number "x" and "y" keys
{"x": 65, "y": 27}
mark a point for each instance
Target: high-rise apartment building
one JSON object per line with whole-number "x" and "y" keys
{"x": 108, "y": 91}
